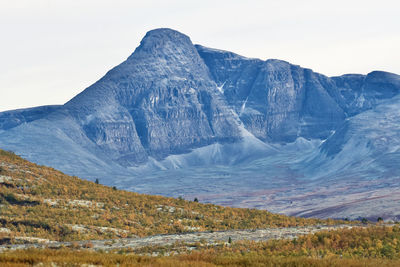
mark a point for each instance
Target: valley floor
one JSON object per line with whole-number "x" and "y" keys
{"x": 349, "y": 246}
{"x": 188, "y": 238}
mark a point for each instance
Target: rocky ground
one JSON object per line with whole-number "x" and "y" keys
{"x": 189, "y": 238}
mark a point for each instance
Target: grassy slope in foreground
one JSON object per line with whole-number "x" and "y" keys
{"x": 38, "y": 201}
{"x": 372, "y": 246}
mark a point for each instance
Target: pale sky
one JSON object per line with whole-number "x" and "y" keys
{"x": 50, "y": 50}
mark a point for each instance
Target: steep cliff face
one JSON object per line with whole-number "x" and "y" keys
{"x": 277, "y": 101}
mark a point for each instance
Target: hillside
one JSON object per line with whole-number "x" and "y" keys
{"x": 40, "y": 202}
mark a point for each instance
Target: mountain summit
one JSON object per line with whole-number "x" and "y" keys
{"x": 182, "y": 119}
{"x": 160, "y": 101}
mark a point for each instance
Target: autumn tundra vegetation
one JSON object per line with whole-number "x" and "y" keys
{"x": 372, "y": 246}
{"x": 40, "y": 204}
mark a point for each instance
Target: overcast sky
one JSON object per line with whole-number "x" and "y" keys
{"x": 50, "y": 50}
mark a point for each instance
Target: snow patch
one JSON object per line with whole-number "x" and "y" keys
{"x": 243, "y": 106}
{"x": 221, "y": 88}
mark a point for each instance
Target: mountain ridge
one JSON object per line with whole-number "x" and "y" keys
{"x": 176, "y": 108}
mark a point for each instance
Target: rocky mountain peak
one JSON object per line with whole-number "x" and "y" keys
{"x": 163, "y": 42}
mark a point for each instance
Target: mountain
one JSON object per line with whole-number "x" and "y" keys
{"x": 179, "y": 119}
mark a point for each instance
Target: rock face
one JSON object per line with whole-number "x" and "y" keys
{"x": 276, "y": 101}
{"x": 173, "y": 104}
{"x": 160, "y": 101}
